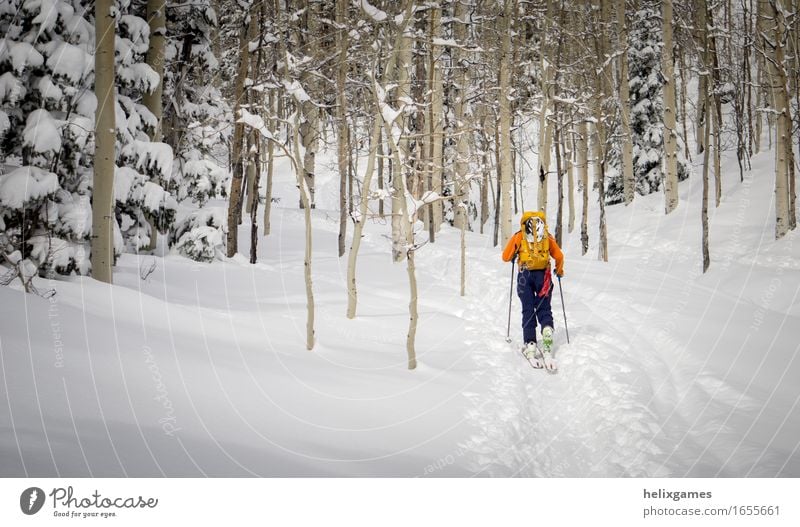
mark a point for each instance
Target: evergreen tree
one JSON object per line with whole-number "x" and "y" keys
{"x": 47, "y": 107}
{"x": 647, "y": 108}
{"x": 196, "y": 113}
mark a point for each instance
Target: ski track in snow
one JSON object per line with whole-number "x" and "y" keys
{"x": 596, "y": 416}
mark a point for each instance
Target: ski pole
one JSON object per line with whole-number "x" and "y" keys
{"x": 510, "y": 294}
{"x": 563, "y": 309}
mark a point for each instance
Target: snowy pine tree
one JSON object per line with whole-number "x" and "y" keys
{"x": 196, "y": 113}
{"x": 644, "y": 59}
{"x": 647, "y": 108}
{"x": 47, "y": 107}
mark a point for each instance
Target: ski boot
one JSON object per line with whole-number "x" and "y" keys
{"x": 532, "y": 353}
{"x": 547, "y": 349}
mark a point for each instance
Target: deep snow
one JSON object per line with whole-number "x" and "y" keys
{"x": 201, "y": 369}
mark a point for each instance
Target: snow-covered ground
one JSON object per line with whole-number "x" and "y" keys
{"x": 201, "y": 369}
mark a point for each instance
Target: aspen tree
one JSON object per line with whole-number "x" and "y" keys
{"x": 706, "y": 131}
{"x": 238, "y": 154}
{"x": 342, "y": 143}
{"x": 400, "y": 230}
{"x": 545, "y": 125}
{"x": 435, "y": 123}
{"x": 603, "y": 91}
{"x": 463, "y": 132}
{"x": 156, "y": 18}
{"x": 583, "y": 172}
{"x": 105, "y": 136}
{"x": 375, "y": 145}
{"x": 773, "y": 38}
{"x": 714, "y": 112}
{"x": 569, "y": 157}
{"x": 505, "y": 118}
{"x": 702, "y": 81}
{"x": 670, "y": 131}
{"x": 272, "y": 120}
{"x": 628, "y": 181}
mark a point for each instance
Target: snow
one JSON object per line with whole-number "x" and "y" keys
{"x": 78, "y": 28}
{"x": 150, "y": 156}
{"x": 5, "y": 123}
{"x": 389, "y": 114}
{"x": 69, "y": 61}
{"x": 126, "y": 180}
{"x": 75, "y": 212}
{"x": 373, "y": 12}
{"x": 80, "y": 129}
{"x": 254, "y": 121}
{"x": 138, "y": 30}
{"x": 201, "y": 368}
{"x": 41, "y": 132}
{"x": 154, "y": 197}
{"x": 445, "y": 42}
{"x": 200, "y": 235}
{"x": 44, "y": 247}
{"x": 48, "y": 13}
{"x": 10, "y": 88}
{"x": 139, "y": 75}
{"x": 86, "y": 103}
{"x": 24, "y": 185}
{"x": 49, "y": 89}
{"x": 20, "y": 54}
{"x": 297, "y": 91}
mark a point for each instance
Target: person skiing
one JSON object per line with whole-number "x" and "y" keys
{"x": 533, "y": 247}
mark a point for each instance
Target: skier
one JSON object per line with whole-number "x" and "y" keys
{"x": 533, "y": 246}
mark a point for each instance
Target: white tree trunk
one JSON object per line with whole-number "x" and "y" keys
{"x": 463, "y": 126}
{"x": 272, "y": 123}
{"x": 409, "y": 253}
{"x": 156, "y": 18}
{"x": 774, "y": 26}
{"x": 342, "y": 143}
{"x": 400, "y": 230}
{"x": 435, "y": 126}
{"x": 545, "y": 126}
{"x": 105, "y": 138}
{"x": 352, "y": 291}
{"x": 628, "y": 178}
{"x": 505, "y": 119}
{"x": 305, "y": 199}
{"x": 237, "y": 176}
{"x": 705, "y": 99}
{"x": 583, "y": 172}
{"x": 570, "y": 185}
{"x": 670, "y": 131}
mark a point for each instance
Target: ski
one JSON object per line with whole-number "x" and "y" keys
{"x": 541, "y": 362}
{"x": 534, "y": 361}
{"x": 550, "y": 363}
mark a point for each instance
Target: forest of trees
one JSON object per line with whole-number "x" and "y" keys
{"x": 101, "y": 137}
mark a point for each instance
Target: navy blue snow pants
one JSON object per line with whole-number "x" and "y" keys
{"x": 534, "y": 307}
